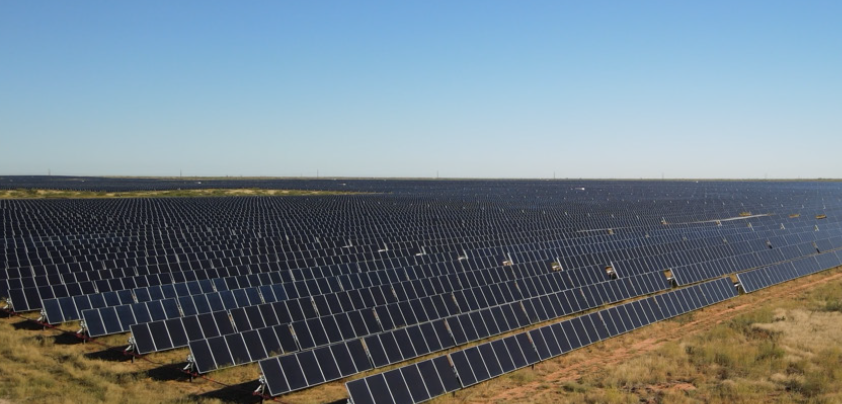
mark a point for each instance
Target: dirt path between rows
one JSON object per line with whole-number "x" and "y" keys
{"x": 598, "y": 359}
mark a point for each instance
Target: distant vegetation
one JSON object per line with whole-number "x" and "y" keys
{"x": 178, "y": 193}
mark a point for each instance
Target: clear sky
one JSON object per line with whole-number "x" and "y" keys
{"x": 516, "y": 89}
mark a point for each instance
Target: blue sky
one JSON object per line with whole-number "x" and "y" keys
{"x": 585, "y": 89}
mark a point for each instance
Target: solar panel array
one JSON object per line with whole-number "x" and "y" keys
{"x": 320, "y": 288}
{"x": 406, "y": 342}
{"x": 422, "y": 381}
{"x": 764, "y": 277}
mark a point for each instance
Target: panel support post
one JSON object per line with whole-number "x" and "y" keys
{"x": 130, "y": 349}
{"x": 82, "y": 333}
{"x": 262, "y": 387}
{"x": 191, "y": 367}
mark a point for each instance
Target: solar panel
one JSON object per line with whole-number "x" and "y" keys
{"x": 479, "y": 363}
{"x": 412, "y": 271}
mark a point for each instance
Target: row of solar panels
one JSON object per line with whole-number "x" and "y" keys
{"x": 292, "y": 233}
{"x": 392, "y": 345}
{"x": 504, "y": 202}
{"x": 30, "y": 298}
{"x": 205, "y": 349}
{"x": 430, "y": 202}
{"x": 246, "y": 256}
{"x": 382, "y": 261}
{"x": 60, "y": 279}
{"x": 435, "y": 278}
{"x": 68, "y": 308}
{"x": 438, "y": 210}
{"x": 278, "y": 264}
{"x": 767, "y": 276}
{"x": 229, "y": 253}
{"x": 422, "y": 381}
{"x": 428, "y": 379}
{"x": 338, "y": 326}
{"x": 352, "y": 262}
{"x": 696, "y": 272}
{"x": 95, "y": 327}
{"x": 180, "y": 240}
{"x": 322, "y": 330}
{"x": 30, "y": 301}
{"x": 185, "y": 246}
{"x": 223, "y": 254}
{"x": 61, "y": 260}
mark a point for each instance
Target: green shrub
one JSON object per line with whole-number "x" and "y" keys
{"x": 833, "y": 305}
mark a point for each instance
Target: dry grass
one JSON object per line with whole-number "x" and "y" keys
{"x": 189, "y": 193}
{"x": 45, "y": 366}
